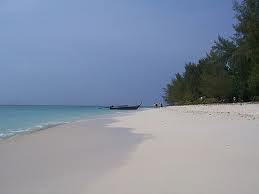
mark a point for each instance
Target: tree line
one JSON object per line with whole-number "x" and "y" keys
{"x": 230, "y": 70}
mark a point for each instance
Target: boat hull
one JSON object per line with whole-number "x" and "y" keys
{"x": 124, "y": 107}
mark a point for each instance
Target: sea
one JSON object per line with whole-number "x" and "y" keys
{"x": 23, "y": 119}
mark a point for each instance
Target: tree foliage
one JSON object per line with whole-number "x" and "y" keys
{"x": 230, "y": 69}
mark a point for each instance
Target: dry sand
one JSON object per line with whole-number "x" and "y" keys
{"x": 175, "y": 150}
{"x": 192, "y": 150}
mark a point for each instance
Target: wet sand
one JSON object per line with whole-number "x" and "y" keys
{"x": 63, "y": 159}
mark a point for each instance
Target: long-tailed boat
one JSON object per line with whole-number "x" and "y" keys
{"x": 125, "y": 107}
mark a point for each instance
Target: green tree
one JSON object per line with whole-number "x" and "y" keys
{"x": 246, "y": 56}
{"x": 230, "y": 69}
{"x": 191, "y": 79}
{"x": 215, "y": 79}
{"x": 254, "y": 81}
{"x": 174, "y": 92}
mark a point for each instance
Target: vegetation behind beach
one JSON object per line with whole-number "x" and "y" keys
{"x": 230, "y": 71}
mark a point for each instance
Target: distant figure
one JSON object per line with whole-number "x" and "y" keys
{"x": 202, "y": 98}
{"x": 155, "y": 105}
{"x": 234, "y": 99}
{"x": 161, "y": 105}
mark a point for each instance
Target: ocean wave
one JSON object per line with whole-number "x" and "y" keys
{"x": 11, "y": 132}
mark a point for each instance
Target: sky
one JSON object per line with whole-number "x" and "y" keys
{"x": 102, "y": 52}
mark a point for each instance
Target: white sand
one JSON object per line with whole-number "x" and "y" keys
{"x": 192, "y": 150}
{"x": 176, "y": 150}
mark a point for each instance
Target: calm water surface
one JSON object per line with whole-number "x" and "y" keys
{"x": 20, "y": 119}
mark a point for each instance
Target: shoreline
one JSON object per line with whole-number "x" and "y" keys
{"x": 26, "y": 119}
{"x": 47, "y": 126}
{"x": 184, "y": 150}
{"x": 64, "y": 159}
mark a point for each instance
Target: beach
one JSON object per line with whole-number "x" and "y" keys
{"x": 199, "y": 149}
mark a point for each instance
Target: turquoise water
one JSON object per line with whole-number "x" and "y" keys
{"x": 20, "y": 119}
